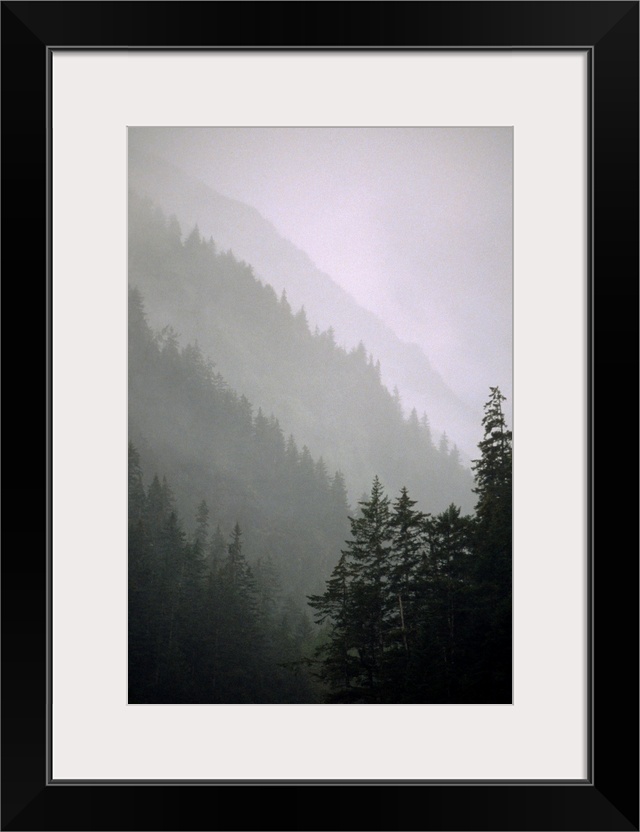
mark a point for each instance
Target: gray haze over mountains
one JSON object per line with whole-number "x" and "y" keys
{"x": 407, "y": 281}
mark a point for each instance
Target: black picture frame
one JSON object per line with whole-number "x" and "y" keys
{"x": 608, "y": 799}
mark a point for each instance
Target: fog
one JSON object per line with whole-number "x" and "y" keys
{"x": 415, "y": 223}
{"x": 300, "y": 531}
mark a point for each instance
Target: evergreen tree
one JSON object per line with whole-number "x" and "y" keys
{"x": 236, "y": 566}
{"x": 357, "y": 602}
{"x": 141, "y": 606}
{"x": 169, "y": 566}
{"x": 217, "y": 549}
{"x": 443, "y": 446}
{"x": 426, "y": 431}
{"x": 194, "y": 240}
{"x": 493, "y": 552}
{"x": 202, "y": 525}
{"x": 408, "y": 543}
{"x": 338, "y": 493}
{"x": 339, "y": 666}
{"x": 493, "y": 471}
{"x": 445, "y": 585}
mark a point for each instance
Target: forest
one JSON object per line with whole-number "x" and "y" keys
{"x": 293, "y": 536}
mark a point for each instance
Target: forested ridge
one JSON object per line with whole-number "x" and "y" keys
{"x": 189, "y": 426}
{"x": 331, "y": 399}
{"x": 417, "y": 609}
{"x": 251, "y": 579}
{"x": 239, "y": 226}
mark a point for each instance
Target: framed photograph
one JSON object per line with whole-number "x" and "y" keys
{"x": 489, "y": 146}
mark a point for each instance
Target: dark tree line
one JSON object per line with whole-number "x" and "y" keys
{"x": 204, "y": 625}
{"x": 418, "y": 608}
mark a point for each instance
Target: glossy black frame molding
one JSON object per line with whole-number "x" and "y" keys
{"x": 608, "y": 800}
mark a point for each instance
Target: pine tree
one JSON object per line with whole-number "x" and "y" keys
{"x": 235, "y": 568}
{"x": 216, "y": 552}
{"x": 194, "y": 240}
{"x": 137, "y": 496}
{"x": 447, "y": 606}
{"x": 443, "y": 447}
{"x": 408, "y": 543}
{"x": 338, "y": 666}
{"x": 493, "y": 470}
{"x": 493, "y": 551}
{"x": 141, "y": 610}
{"x": 202, "y": 525}
{"x": 169, "y": 560}
{"x": 356, "y": 604}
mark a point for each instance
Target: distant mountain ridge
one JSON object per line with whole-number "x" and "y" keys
{"x": 331, "y": 400}
{"x": 237, "y": 226}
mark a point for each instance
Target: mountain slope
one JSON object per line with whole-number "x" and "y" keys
{"x": 189, "y": 426}
{"x": 241, "y": 228}
{"x": 332, "y": 400}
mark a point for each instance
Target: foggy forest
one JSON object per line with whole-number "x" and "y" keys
{"x": 320, "y": 450}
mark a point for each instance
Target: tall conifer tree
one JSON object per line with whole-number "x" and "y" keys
{"x": 493, "y": 550}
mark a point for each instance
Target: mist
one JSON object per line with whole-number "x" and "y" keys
{"x": 319, "y": 343}
{"x": 415, "y": 223}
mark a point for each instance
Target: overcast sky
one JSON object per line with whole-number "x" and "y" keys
{"x": 416, "y": 223}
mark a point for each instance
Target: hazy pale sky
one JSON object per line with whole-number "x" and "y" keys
{"x": 416, "y": 223}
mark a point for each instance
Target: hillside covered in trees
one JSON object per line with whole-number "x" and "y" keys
{"x": 239, "y": 226}
{"x": 188, "y": 424}
{"x": 332, "y": 400}
{"x": 251, "y": 578}
{"x": 204, "y": 625}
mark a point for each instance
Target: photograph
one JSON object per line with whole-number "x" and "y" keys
{"x": 303, "y": 279}
{"x": 319, "y": 415}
